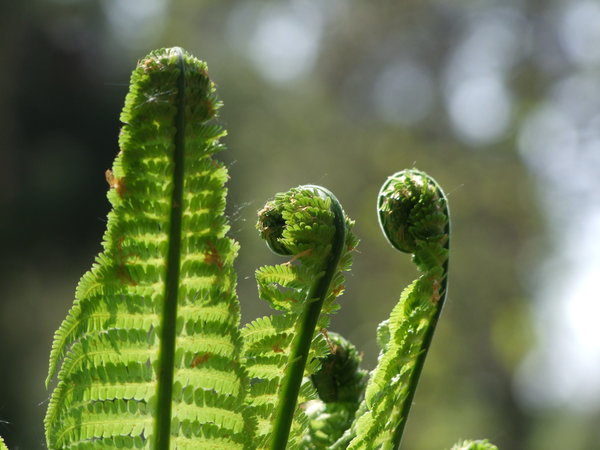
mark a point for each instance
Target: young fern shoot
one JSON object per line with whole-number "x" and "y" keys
{"x": 413, "y": 213}
{"x": 340, "y": 383}
{"x": 308, "y": 225}
{"x": 149, "y": 354}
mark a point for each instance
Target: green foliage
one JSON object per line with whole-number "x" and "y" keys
{"x": 414, "y": 217}
{"x": 308, "y": 223}
{"x": 475, "y": 445}
{"x": 151, "y": 355}
{"x": 340, "y": 384}
{"x": 152, "y": 341}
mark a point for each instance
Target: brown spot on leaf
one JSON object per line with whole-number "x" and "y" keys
{"x": 115, "y": 183}
{"x": 200, "y": 358}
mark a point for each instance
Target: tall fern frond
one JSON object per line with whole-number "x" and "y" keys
{"x": 149, "y": 354}
{"x": 280, "y": 352}
{"x": 413, "y": 213}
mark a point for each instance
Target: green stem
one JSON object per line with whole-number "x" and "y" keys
{"x": 294, "y": 372}
{"x": 169, "y": 316}
{"x": 414, "y": 216}
{"x": 418, "y": 367}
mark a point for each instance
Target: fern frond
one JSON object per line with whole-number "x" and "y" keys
{"x": 149, "y": 354}
{"x": 414, "y": 216}
{"x": 305, "y": 225}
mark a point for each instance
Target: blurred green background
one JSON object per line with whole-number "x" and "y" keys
{"x": 498, "y": 100}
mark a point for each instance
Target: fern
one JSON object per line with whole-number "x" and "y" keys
{"x": 308, "y": 224}
{"x": 150, "y": 350}
{"x": 340, "y": 383}
{"x": 413, "y": 213}
{"x": 151, "y": 354}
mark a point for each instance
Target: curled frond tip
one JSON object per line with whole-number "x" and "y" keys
{"x": 412, "y": 210}
{"x": 287, "y": 221}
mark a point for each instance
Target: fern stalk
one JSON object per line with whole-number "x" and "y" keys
{"x": 307, "y": 323}
{"x": 166, "y": 354}
{"x": 282, "y": 351}
{"x": 427, "y": 236}
{"x": 413, "y": 213}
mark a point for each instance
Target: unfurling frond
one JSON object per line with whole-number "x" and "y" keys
{"x": 413, "y": 213}
{"x": 307, "y": 225}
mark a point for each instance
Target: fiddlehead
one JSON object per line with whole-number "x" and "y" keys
{"x": 413, "y": 213}
{"x": 340, "y": 384}
{"x": 308, "y": 224}
{"x": 340, "y": 378}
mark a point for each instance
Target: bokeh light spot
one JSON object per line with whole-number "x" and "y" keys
{"x": 580, "y": 32}
{"x": 403, "y": 93}
{"x": 480, "y": 109}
